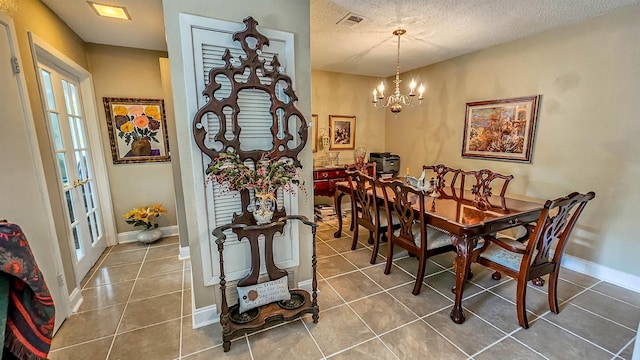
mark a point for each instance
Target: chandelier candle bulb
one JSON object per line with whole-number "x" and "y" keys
{"x": 412, "y": 87}
{"x": 421, "y": 91}
{"x": 375, "y": 95}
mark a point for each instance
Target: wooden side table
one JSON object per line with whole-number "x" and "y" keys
{"x": 302, "y": 302}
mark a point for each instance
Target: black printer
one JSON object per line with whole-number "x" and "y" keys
{"x": 385, "y": 162}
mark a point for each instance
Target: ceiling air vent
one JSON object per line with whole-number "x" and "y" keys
{"x": 350, "y": 19}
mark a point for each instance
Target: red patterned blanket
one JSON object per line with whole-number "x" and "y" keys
{"x": 30, "y": 315}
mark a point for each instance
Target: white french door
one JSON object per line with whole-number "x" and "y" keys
{"x": 68, "y": 134}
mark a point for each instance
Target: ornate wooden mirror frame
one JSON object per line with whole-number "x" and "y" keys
{"x": 282, "y": 110}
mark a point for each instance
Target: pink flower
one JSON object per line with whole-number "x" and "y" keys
{"x": 136, "y": 110}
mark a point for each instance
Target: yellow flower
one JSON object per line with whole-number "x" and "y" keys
{"x": 152, "y": 111}
{"x": 127, "y": 127}
{"x": 131, "y": 213}
{"x": 120, "y": 110}
{"x": 157, "y": 209}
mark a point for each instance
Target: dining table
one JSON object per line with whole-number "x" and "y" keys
{"x": 466, "y": 217}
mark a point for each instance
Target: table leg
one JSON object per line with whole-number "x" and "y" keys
{"x": 462, "y": 263}
{"x": 337, "y": 205}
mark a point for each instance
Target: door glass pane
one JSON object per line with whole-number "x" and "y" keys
{"x": 80, "y": 132}
{"x": 92, "y": 228}
{"x": 85, "y": 164}
{"x": 84, "y": 197}
{"x": 89, "y": 190}
{"x": 48, "y": 89}
{"x": 77, "y": 243}
{"x": 62, "y": 164}
{"x": 72, "y": 216}
{"x": 55, "y": 129}
{"x": 82, "y": 173}
{"x": 74, "y": 137}
{"x": 96, "y": 220}
{"x": 67, "y": 100}
{"x": 75, "y": 100}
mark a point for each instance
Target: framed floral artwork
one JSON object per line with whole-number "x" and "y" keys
{"x": 342, "y": 132}
{"x": 314, "y": 132}
{"x": 500, "y": 129}
{"x": 137, "y": 130}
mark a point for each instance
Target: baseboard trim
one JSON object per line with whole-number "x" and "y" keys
{"x": 205, "y": 316}
{"x": 184, "y": 253}
{"x": 75, "y": 300}
{"x": 130, "y": 236}
{"x": 601, "y": 272}
{"x": 306, "y": 285}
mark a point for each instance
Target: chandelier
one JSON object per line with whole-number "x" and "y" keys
{"x": 396, "y": 100}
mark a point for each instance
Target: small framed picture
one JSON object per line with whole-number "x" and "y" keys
{"x": 314, "y": 132}
{"x": 137, "y": 130}
{"x": 342, "y": 132}
{"x": 500, "y": 129}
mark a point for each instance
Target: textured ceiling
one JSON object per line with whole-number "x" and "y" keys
{"x": 436, "y": 29}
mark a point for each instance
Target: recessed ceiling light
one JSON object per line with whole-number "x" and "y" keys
{"x": 112, "y": 11}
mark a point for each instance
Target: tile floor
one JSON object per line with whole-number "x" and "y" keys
{"x": 137, "y": 305}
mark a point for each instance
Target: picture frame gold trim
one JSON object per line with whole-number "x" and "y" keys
{"x": 342, "y": 131}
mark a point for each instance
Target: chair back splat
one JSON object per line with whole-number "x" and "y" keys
{"x": 366, "y": 210}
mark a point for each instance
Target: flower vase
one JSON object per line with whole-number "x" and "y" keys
{"x": 141, "y": 147}
{"x": 148, "y": 236}
{"x": 263, "y": 207}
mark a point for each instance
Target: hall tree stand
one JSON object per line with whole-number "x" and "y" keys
{"x": 286, "y": 142}
{"x": 301, "y": 303}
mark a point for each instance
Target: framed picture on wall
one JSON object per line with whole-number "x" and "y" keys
{"x": 500, "y": 129}
{"x": 137, "y": 130}
{"x": 342, "y": 131}
{"x": 314, "y": 132}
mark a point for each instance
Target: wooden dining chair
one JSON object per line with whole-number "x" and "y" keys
{"x": 540, "y": 254}
{"x": 482, "y": 183}
{"x": 445, "y": 177}
{"x": 369, "y": 213}
{"x": 407, "y": 204}
{"x": 367, "y": 168}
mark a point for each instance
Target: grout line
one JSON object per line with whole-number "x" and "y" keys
{"x": 125, "y": 305}
{"x": 95, "y": 268}
{"x": 312, "y": 337}
{"x": 80, "y": 343}
{"x": 246, "y": 337}
{"x": 625, "y": 347}
{"x": 519, "y": 329}
{"x": 611, "y": 297}
{"x": 360, "y": 318}
{"x": 578, "y": 336}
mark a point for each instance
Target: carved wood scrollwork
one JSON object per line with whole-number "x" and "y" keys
{"x": 260, "y": 78}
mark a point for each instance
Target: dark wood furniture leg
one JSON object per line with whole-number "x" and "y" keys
{"x": 464, "y": 247}
{"x": 337, "y": 204}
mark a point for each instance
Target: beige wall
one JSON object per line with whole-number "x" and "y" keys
{"x": 587, "y": 133}
{"x": 34, "y": 17}
{"x": 344, "y": 94}
{"x": 286, "y": 15}
{"x": 131, "y": 73}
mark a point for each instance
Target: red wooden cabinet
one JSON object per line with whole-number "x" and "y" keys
{"x": 324, "y": 180}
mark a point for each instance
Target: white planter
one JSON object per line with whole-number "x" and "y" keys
{"x": 148, "y": 236}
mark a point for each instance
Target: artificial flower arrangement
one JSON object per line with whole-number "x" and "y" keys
{"x": 145, "y": 216}
{"x": 268, "y": 176}
{"x": 137, "y": 122}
